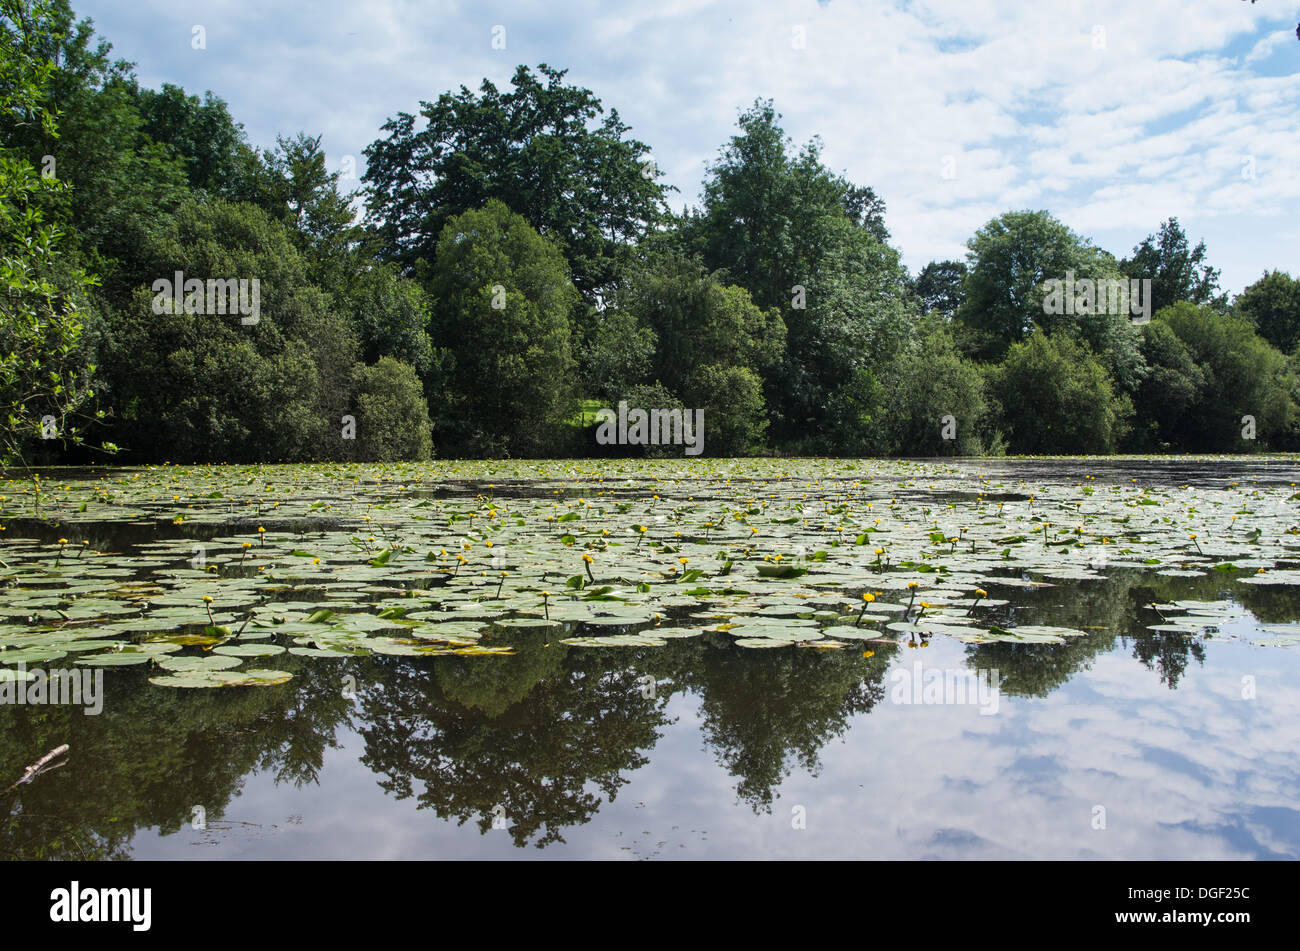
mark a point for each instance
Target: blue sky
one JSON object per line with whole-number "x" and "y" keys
{"x": 1112, "y": 114}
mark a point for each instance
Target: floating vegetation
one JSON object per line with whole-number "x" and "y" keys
{"x": 197, "y": 572}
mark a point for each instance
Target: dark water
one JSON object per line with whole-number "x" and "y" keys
{"x": 1120, "y": 744}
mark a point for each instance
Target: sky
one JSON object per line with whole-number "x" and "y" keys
{"x": 1112, "y": 114}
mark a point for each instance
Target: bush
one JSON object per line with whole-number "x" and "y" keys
{"x": 1056, "y": 398}
{"x": 925, "y": 383}
{"x": 392, "y": 418}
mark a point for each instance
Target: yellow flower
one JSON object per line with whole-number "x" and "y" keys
{"x": 207, "y": 599}
{"x": 912, "y": 584}
{"x": 868, "y": 597}
{"x": 63, "y": 541}
{"x": 587, "y": 558}
{"x": 981, "y": 592}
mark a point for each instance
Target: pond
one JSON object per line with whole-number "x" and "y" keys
{"x": 654, "y": 659}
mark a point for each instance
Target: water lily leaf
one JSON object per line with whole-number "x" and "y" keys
{"x": 248, "y": 650}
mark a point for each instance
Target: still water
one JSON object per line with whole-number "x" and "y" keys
{"x": 1120, "y": 743}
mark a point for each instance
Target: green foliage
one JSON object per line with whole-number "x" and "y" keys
{"x": 939, "y": 287}
{"x": 928, "y": 381}
{"x": 1272, "y": 304}
{"x": 45, "y": 377}
{"x": 504, "y": 296}
{"x": 1243, "y": 376}
{"x": 1010, "y": 258}
{"x": 732, "y": 400}
{"x": 391, "y": 315}
{"x": 203, "y": 135}
{"x": 698, "y": 321}
{"x": 206, "y": 386}
{"x": 535, "y": 149}
{"x": 391, "y": 415}
{"x": 518, "y": 255}
{"x": 1173, "y": 384}
{"x": 619, "y": 352}
{"x": 768, "y": 212}
{"x": 1177, "y": 271}
{"x": 1057, "y": 398}
{"x": 857, "y": 315}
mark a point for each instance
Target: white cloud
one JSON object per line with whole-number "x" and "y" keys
{"x": 1113, "y": 115}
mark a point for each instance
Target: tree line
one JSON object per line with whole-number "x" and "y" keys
{"x": 511, "y": 260}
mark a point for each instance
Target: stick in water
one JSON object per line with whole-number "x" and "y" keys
{"x": 31, "y": 772}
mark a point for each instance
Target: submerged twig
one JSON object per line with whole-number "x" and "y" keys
{"x": 40, "y": 766}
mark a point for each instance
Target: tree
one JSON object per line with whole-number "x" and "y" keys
{"x": 121, "y": 180}
{"x": 698, "y": 320}
{"x": 619, "y": 353}
{"x": 392, "y": 417}
{"x": 391, "y": 314}
{"x": 504, "y": 296}
{"x": 856, "y": 316}
{"x": 1272, "y": 304}
{"x": 934, "y": 401}
{"x": 203, "y": 135}
{"x": 1010, "y": 260}
{"x": 939, "y": 287}
{"x": 1173, "y": 385}
{"x": 1056, "y": 398}
{"x": 206, "y": 381}
{"x": 591, "y": 189}
{"x": 1177, "y": 272}
{"x": 1244, "y": 376}
{"x": 732, "y": 400}
{"x": 769, "y": 213}
{"x": 44, "y": 373}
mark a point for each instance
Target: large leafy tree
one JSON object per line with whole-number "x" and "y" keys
{"x": 1010, "y": 259}
{"x": 204, "y": 136}
{"x": 857, "y": 315}
{"x": 1057, "y": 398}
{"x": 392, "y": 417}
{"x": 122, "y": 181}
{"x": 44, "y": 373}
{"x": 769, "y": 212}
{"x": 1243, "y": 376}
{"x": 933, "y": 401}
{"x": 939, "y": 287}
{"x": 208, "y": 387}
{"x": 1272, "y": 304}
{"x": 1177, "y": 271}
{"x": 805, "y": 240}
{"x": 504, "y": 295}
{"x": 699, "y": 320}
{"x": 538, "y": 149}
{"x": 713, "y": 342}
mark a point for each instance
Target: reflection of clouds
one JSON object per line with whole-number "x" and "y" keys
{"x": 1192, "y": 773}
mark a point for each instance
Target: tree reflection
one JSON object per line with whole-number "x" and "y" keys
{"x": 765, "y": 710}
{"x": 514, "y": 741}
{"x": 538, "y": 741}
